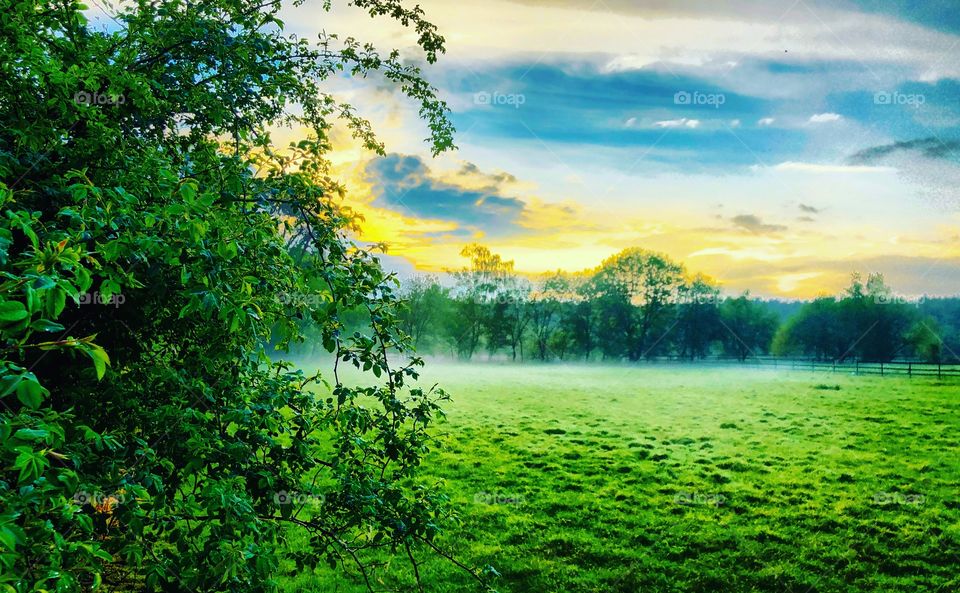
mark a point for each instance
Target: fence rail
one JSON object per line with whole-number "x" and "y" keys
{"x": 897, "y": 367}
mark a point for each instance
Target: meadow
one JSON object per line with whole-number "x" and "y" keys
{"x": 681, "y": 479}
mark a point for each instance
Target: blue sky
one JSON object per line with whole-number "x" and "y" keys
{"x": 776, "y": 146}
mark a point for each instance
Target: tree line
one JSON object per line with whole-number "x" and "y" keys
{"x": 640, "y": 304}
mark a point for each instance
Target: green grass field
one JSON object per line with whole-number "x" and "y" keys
{"x": 625, "y": 479}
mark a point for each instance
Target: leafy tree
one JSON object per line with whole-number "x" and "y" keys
{"x": 698, "y": 318}
{"x": 749, "y": 326}
{"x": 510, "y": 318}
{"x": 545, "y": 305}
{"x": 477, "y": 288}
{"x": 425, "y": 303}
{"x": 649, "y": 282}
{"x": 158, "y": 433}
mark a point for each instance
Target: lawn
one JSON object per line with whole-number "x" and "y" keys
{"x": 626, "y": 479}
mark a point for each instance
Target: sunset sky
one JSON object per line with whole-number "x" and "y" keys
{"x": 776, "y": 146}
{"x": 773, "y": 145}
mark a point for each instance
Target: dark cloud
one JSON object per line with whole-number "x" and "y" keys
{"x": 806, "y": 219}
{"x": 753, "y": 224}
{"x": 930, "y": 147}
{"x": 809, "y": 209}
{"x": 404, "y": 183}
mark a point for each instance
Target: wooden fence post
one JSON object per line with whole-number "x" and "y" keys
{"x": 910, "y": 369}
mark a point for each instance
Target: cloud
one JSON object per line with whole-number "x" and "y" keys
{"x": 809, "y": 209}
{"x": 930, "y": 147}
{"x": 765, "y": 121}
{"x": 753, "y": 224}
{"x": 404, "y": 183}
{"x": 827, "y": 168}
{"x": 819, "y": 118}
{"x": 678, "y": 123}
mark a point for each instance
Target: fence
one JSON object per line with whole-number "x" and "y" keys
{"x": 855, "y": 367}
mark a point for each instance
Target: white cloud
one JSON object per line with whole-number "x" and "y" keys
{"x": 678, "y": 123}
{"x": 824, "y": 168}
{"x": 819, "y": 118}
{"x": 765, "y": 121}
{"x": 629, "y": 123}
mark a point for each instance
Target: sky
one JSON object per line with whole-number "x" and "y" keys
{"x": 776, "y": 146}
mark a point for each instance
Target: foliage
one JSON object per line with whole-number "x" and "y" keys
{"x": 640, "y": 304}
{"x": 153, "y": 242}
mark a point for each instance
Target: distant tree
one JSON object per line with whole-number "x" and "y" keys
{"x": 545, "y": 305}
{"x": 514, "y": 299}
{"x": 477, "y": 286}
{"x": 577, "y": 317}
{"x": 813, "y": 331}
{"x": 648, "y": 283}
{"x": 698, "y": 318}
{"x": 748, "y": 326}
{"x": 925, "y": 341}
{"x": 425, "y": 303}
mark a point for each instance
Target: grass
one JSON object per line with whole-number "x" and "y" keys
{"x": 625, "y": 479}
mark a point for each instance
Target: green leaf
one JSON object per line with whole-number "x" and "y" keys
{"x": 55, "y": 302}
{"x": 100, "y": 360}
{"x": 29, "y": 391}
{"x": 31, "y": 434}
{"x": 11, "y": 312}
{"x": 45, "y": 325}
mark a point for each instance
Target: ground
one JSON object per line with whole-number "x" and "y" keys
{"x": 655, "y": 479}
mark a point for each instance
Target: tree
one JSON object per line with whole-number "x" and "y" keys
{"x": 649, "y": 282}
{"x": 511, "y": 315}
{"x": 477, "y": 288}
{"x": 749, "y": 326}
{"x": 868, "y": 322}
{"x": 159, "y": 432}
{"x": 424, "y": 304}
{"x": 698, "y": 318}
{"x": 545, "y": 304}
